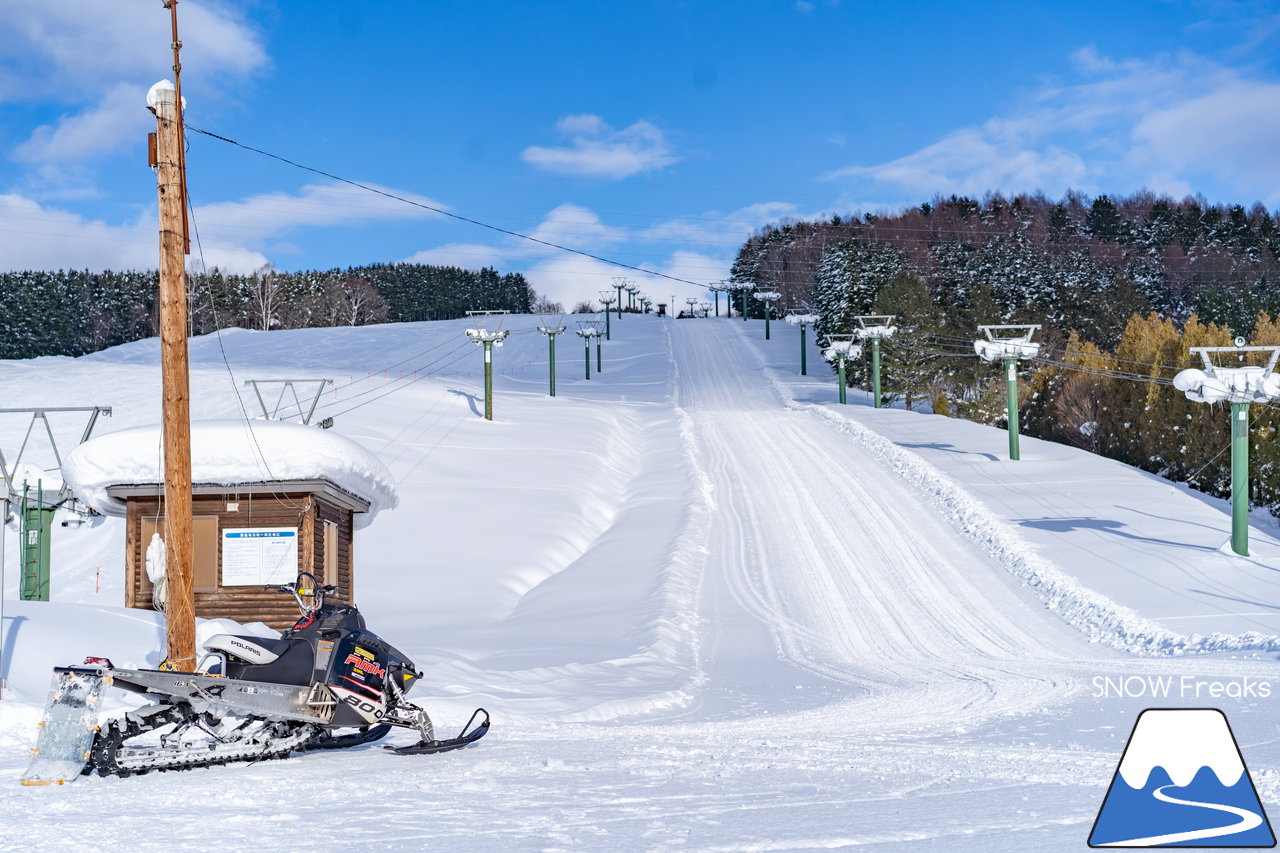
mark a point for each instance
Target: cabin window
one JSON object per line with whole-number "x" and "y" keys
{"x": 204, "y": 533}
{"x": 330, "y": 553}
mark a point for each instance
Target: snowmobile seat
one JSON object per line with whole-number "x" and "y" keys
{"x": 257, "y": 650}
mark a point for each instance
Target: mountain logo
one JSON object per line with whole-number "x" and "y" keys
{"x": 1181, "y": 782}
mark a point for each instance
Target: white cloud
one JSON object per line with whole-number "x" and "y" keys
{"x": 696, "y": 248}
{"x": 34, "y": 236}
{"x": 119, "y": 117}
{"x": 1168, "y": 124}
{"x": 90, "y": 56}
{"x": 257, "y": 218}
{"x": 975, "y": 160}
{"x": 597, "y": 150}
{"x": 1234, "y": 130}
{"x": 465, "y": 255}
{"x": 232, "y": 235}
{"x": 56, "y": 48}
{"x": 576, "y": 228}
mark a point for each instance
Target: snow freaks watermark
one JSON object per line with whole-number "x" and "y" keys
{"x": 1178, "y": 687}
{"x": 1182, "y": 780}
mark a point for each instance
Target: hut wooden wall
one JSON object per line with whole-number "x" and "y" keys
{"x": 246, "y": 603}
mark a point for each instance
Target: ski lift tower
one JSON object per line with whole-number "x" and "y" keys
{"x": 607, "y": 299}
{"x": 691, "y": 302}
{"x": 551, "y": 332}
{"x": 599, "y": 336}
{"x": 282, "y": 410}
{"x": 768, "y": 297}
{"x": 874, "y": 328}
{"x": 620, "y": 283}
{"x": 587, "y": 331}
{"x": 802, "y": 320}
{"x": 841, "y": 349}
{"x": 714, "y": 290}
{"x": 488, "y": 340}
{"x": 1008, "y": 344}
{"x": 1239, "y": 385}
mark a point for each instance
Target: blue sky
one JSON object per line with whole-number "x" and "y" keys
{"x": 657, "y": 134}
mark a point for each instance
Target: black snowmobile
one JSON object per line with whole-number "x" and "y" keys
{"x": 327, "y": 683}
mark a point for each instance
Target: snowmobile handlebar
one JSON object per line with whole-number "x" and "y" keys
{"x": 316, "y": 590}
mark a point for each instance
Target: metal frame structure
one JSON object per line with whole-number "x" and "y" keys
{"x": 588, "y": 329}
{"x": 1003, "y": 343}
{"x": 9, "y": 493}
{"x": 841, "y": 349}
{"x": 551, "y": 332}
{"x": 768, "y": 297}
{"x": 1239, "y": 386}
{"x": 874, "y": 328}
{"x": 607, "y": 299}
{"x": 488, "y": 339}
{"x": 286, "y": 386}
{"x": 802, "y": 320}
{"x": 40, "y": 413}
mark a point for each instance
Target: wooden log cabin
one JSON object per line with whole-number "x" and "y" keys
{"x": 247, "y": 538}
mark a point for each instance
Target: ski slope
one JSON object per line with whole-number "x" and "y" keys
{"x": 703, "y": 614}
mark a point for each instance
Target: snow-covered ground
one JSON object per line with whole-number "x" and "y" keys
{"x": 708, "y": 608}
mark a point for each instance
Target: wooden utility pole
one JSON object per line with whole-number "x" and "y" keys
{"x": 180, "y": 639}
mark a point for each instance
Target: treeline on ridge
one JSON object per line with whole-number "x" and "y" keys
{"x": 1122, "y": 288}
{"x": 72, "y": 312}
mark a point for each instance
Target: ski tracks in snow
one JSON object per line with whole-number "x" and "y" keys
{"x": 816, "y": 544}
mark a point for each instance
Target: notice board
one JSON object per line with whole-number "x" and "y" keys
{"x": 259, "y": 556}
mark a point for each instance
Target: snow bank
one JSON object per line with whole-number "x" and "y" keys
{"x": 228, "y": 453}
{"x": 1100, "y": 618}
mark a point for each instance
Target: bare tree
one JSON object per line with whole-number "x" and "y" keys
{"x": 354, "y": 301}
{"x": 267, "y": 294}
{"x": 542, "y": 304}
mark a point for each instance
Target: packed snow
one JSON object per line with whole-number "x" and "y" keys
{"x": 708, "y": 607}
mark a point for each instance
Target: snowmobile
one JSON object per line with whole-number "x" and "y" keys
{"x": 326, "y": 683}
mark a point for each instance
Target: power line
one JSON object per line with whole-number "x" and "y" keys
{"x": 444, "y": 212}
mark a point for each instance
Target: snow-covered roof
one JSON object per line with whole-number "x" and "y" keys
{"x": 229, "y": 452}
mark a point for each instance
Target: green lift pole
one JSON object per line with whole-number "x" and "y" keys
{"x": 599, "y": 364}
{"x": 1240, "y": 478}
{"x": 587, "y": 349}
{"x": 804, "y": 364}
{"x": 767, "y": 305}
{"x": 552, "y": 340}
{"x": 717, "y": 297}
{"x": 1011, "y": 380}
{"x": 842, "y": 379}
{"x": 875, "y": 372}
{"x": 488, "y": 380}
{"x": 608, "y": 326}
{"x": 744, "y": 305}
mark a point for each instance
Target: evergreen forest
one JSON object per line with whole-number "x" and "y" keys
{"x": 1122, "y": 288}
{"x": 73, "y": 312}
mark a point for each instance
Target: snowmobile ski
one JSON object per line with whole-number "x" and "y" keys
{"x": 68, "y": 728}
{"x": 366, "y": 734}
{"x": 464, "y": 738}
